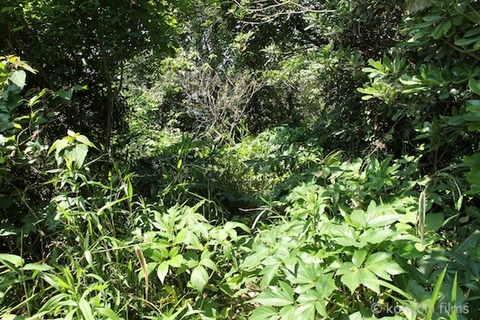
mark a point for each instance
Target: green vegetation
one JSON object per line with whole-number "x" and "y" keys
{"x": 253, "y": 160}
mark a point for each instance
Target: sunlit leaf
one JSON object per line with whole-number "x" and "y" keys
{"x": 199, "y": 278}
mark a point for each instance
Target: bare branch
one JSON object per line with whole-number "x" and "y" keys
{"x": 265, "y": 11}
{"x": 218, "y": 102}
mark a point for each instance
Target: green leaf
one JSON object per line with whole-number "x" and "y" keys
{"x": 376, "y": 235}
{"x": 453, "y": 298}
{"x": 110, "y": 204}
{"x": 466, "y": 41}
{"x": 13, "y": 317}
{"x": 13, "y": 259}
{"x": 85, "y": 309}
{"x": 434, "y": 221}
{"x": 176, "y": 261}
{"x": 474, "y": 86}
{"x": 369, "y": 280}
{"x": 109, "y": 313}
{"x": 287, "y": 288}
{"x": 18, "y": 77}
{"x": 446, "y": 27}
{"x": 199, "y": 278}
{"x": 308, "y": 297}
{"x": 325, "y": 285}
{"x": 358, "y": 218}
{"x": 435, "y": 293}
{"x": 382, "y": 264}
{"x": 472, "y": 32}
{"x": 351, "y": 278}
{"x": 79, "y": 153}
{"x": 37, "y": 267}
{"x": 64, "y": 94}
{"x": 268, "y": 273}
{"x": 359, "y": 257}
{"x": 209, "y": 264}
{"x": 53, "y": 303}
{"x": 438, "y": 32}
{"x": 264, "y": 313}
{"x": 83, "y": 139}
{"x": 305, "y": 311}
{"x": 473, "y": 105}
{"x": 180, "y": 237}
{"x": 59, "y": 145}
{"x": 432, "y": 18}
{"x": 6, "y": 9}
{"x": 275, "y": 297}
{"x": 253, "y": 260}
{"x": 162, "y": 271}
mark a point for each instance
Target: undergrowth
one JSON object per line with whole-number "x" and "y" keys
{"x": 319, "y": 237}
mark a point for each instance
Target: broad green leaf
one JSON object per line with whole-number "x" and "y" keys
{"x": 83, "y": 139}
{"x": 287, "y": 312}
{"x": 18, "y": 77}
{"x": 162, "y": 271}
{"x": 474, "y": 86}
{"x": 180, "y": 237}
{"x": 325, "y": 285}
{"x": 472, "y": 32}
{"x": 344, "y": 235}
{"x": 309, "y": 296}
{"x": 382, "y": 264}
{"x": 473, "y": 105}
{"x": 466, "y": 41}
{"x": 268, "y": 273}
{"x": 206, "y": 262}
{"x": 369, "y": 280}
{"x": 79, "y": 153}
{"x": 58, "y": 146}
{"x": 472, "y": 240}
{"x": 358, "y": 218}
{"x": 359, "y": 257}
{"x": 384, "y": 220}
{"x": 176, "y": 261}
{"x": 264, "y": 313}
{"x": 305, "y": 311}
{"x": 438, "y": 32}
{"x": 64, "y": 94}
{"x": 233, "y": 225}
{"x": 447, "y": 25}
{"x": 275, "y": 297}
{"x": 352, "y": 279}
{"x": 410, "y": 81}
{"x": 199, "y": 278}
{"x": 13, "y": 259}
{"x": 376, "y": 235}
{"x": 306, "y": 273}
{"x": 254, "y": 259}
{"x": 287, "y": 288}
{"x": 434, "y": 221}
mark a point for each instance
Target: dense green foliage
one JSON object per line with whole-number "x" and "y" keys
{"x": 240, "y": 159}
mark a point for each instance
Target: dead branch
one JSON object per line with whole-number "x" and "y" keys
{"x": 264, "y": 11}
